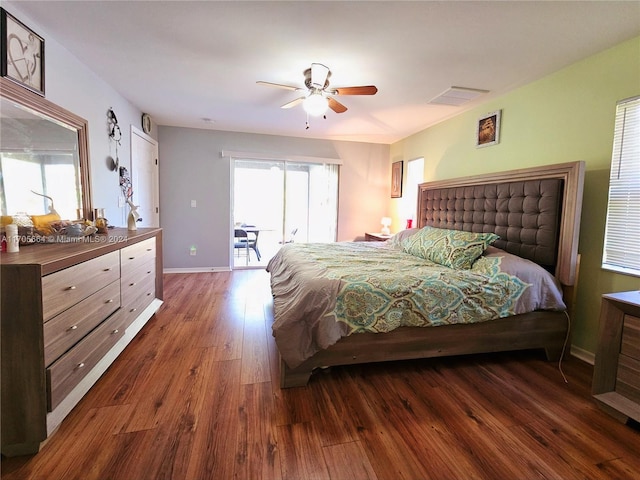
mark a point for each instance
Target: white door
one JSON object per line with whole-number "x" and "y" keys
{"x": 144, "y": 178}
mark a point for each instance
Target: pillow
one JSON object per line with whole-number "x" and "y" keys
{"x": 451, "y": 248}
{"x": 544, "y": 291}
{"x": 398, "y": 238}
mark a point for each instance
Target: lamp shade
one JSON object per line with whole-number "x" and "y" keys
{"x": 315, "y": 104}
{"x": 386, "y": 222}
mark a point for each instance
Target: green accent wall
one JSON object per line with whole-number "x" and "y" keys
{"x": 563, "y": 117}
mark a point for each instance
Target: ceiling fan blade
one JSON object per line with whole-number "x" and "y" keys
{"x": 364, "y": 90}
{"x": 319, "y": 75}
{"x": 293, "y": 103}
{"x": 279, "y": 85}
{"x": 336, "y": 106}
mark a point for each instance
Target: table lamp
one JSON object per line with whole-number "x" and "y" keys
{"x": 385, "y": 221}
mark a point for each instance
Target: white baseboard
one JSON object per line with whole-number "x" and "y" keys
{"x": 196, "y": 270}
{"x": 583, "y": 355}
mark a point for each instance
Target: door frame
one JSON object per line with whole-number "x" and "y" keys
{"x": 139, "y": 135}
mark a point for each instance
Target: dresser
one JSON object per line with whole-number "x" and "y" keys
{"x": 68, "y": 310}
{"x": 616, "y": 372}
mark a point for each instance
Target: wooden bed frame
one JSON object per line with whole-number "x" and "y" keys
{"x": 541, "y": 329}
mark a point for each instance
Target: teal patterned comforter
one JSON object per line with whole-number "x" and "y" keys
{"x": 323, "y": 292}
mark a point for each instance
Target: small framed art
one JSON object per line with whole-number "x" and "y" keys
{"x": 21, "y": 53}
{"x": 396, "y": 179}
{"x": 488, "y": 129}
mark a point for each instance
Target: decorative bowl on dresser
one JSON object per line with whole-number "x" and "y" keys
{"x": 68, "y": 310}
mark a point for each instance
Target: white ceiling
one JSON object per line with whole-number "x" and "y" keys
{"x": 184, "y": 61}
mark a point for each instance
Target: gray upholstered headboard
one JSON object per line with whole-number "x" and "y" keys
{"x": 536, "y": 212}
{"x": 525, "y": 214}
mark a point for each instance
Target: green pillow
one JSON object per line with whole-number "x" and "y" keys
{"x": 451, "y": 248}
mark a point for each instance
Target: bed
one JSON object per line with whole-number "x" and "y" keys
{"x": 361, "y": 302}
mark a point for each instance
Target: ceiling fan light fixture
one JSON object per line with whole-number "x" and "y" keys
{"x": 319, "y": 75}
{"x": 315, "y": 104}
{"x": 319, "y": 98}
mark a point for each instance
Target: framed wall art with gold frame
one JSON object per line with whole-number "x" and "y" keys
{"x": 488, "y": 129}
{"x": 396, "y": 179}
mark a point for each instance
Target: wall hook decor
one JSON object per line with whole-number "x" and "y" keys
{"x": 115, "y": 134}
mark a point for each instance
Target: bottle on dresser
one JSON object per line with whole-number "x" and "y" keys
{"x": 12, "y": 238}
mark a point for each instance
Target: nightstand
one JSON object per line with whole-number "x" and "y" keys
{"x": 376, "y": 237}
{"x": 616, "y": 372}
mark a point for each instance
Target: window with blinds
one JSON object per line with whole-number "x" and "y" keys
{"x": 622, "y": 233}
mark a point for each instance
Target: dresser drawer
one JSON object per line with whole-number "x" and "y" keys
{"x": 133, "y": 275}
{"x": 628, "y": 378}
{"x": 631, "y": 337}
{"x": 136, "y": 298}
{"x": 73, "y": 366}
{"x": 137, "y": 254}
{"x": 68, "y": 327}
{"x": 67, "y": 287}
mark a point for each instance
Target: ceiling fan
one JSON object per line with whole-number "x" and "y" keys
{"x": 319, "y": 96}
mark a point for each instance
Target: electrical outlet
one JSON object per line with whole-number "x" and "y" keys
{"x": 121, "y": 201}
{"x": 193, "y": 251}
{"x": 193, "y": 204}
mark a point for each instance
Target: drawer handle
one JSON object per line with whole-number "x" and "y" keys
{"x": 72, "y": 327}
{"x": 149, "y": 249}
{"x": 132, "y": 284}
{"x": 107, "y": 270}
{"x": 132, "y": 258}
{"x": 109, "y": 301}
{"x": 79, "y": 366}
{"x": 115, "y": 331}
{"x": 133, "y": 310}
{"x": 72, "y": 287}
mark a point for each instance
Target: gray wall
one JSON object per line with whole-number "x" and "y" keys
{"x": 191, "y": 168}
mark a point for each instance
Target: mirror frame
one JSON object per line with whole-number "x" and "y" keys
{"x": 28, "y": 99}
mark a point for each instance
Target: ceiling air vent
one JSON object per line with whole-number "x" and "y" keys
{"x": 457, "y": 96}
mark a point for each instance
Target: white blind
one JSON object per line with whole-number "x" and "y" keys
{"x": 622, "y": 234}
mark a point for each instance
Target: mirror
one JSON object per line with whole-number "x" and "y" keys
{"x": 43, "y": 148}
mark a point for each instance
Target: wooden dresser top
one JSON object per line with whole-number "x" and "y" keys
{"x": 56, "y": 256}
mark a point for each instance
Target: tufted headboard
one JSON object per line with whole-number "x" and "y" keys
{"x": 535, "y": 211}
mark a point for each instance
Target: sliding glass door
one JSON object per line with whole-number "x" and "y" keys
{"x": 283, "y": 202}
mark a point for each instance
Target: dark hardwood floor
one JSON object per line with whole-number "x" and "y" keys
{"x": 195, "y": 396}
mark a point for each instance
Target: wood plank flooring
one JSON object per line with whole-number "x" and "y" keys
{"x": 195, "y": 396}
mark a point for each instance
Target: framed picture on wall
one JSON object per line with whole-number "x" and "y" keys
{"x": 21, "y": 53}
{"x": 488, "y": 129}
{"x": 396, "y": 179}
